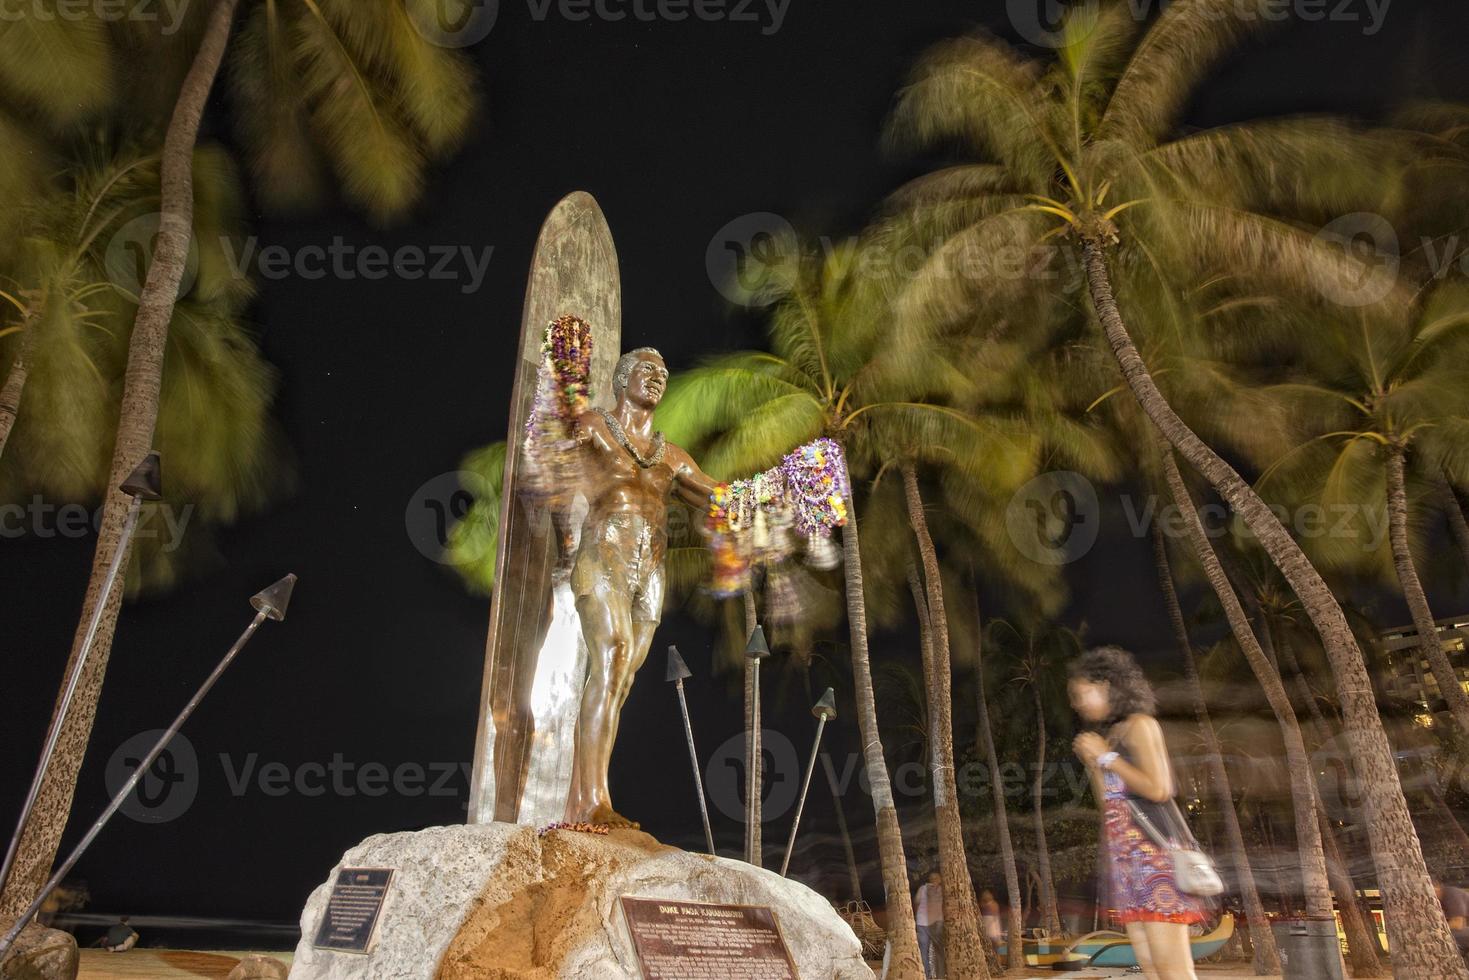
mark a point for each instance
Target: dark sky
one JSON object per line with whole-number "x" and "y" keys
{"x": 677, "y": 129}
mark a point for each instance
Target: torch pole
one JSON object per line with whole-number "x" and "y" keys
{"x": 270, "y": 604}
{"x": 801, "y": 801}
{"x": 688, "y": 730}
{"x": 58, "y": 721}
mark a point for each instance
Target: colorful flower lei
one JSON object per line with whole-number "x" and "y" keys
{"x": 750, "y": 520}
{"x": 563, "y": 394}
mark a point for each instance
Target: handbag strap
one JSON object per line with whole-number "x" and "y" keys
{"x": 1146, "y": 823}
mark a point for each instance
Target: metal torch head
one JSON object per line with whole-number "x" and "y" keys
{"x": 826, "y": 708}
{"x": 757, "y": 648}
{"x": 274, "y": 600}
{"x": 146, "y": 480}
{"x": 677, "y": 669}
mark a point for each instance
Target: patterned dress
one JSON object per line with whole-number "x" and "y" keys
{"x": 1139, "y": 873}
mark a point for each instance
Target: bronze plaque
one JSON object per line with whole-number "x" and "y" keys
{"x": 694, "y": 941}
{"x": 353, "y": 909}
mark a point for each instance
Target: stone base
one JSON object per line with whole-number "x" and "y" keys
{"x": 496, "y": 902}
{"x": 41, "y": 954}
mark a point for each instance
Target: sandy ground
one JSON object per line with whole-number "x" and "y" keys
{"x": 160, "y": 964}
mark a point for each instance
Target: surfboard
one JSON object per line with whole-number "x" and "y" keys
{"x": 535, "y": 657}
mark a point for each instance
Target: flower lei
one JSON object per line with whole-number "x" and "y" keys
{"x": 600, "y": 829}
{"x": 562, "y": 396}
{"x": 752, "y": 520}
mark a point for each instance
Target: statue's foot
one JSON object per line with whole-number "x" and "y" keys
{"x": 603, "y": 814}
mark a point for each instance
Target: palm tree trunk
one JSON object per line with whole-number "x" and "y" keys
{"x": 963, "y": 945}
{"x": 1454, "y": 508}
{"x": 1016, "y": 918}
{"x": 1363, "y": 949}
{"x": 1429, "y": 645}
{"x": 903, "y": 960}
{"x": 1315, "y": 884}
{"x": 15, "y": 382}
{"x": 753, "y": 843}
{"x": 1421, "y": 942}
{"x": 136, "y": 419}
{"x": 1050, "y": 913}
{"x": 1362, "y": 945}
{"x": 1266, "y": 955}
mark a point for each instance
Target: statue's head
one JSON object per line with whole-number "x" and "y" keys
{"x": 640, "y": 377}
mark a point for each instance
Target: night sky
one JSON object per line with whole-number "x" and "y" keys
{"x": 677, "y": 129}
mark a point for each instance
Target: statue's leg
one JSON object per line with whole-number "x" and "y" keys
{"x": 642, "y": 631}
{"x": 606, "y": 620}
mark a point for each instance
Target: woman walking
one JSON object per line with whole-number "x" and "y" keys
{"x": 1128, "y": 763}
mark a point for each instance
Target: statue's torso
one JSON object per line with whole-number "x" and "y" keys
{"x": 616, "y": 484}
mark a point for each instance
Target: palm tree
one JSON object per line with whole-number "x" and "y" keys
{"x": 828, "y": 373}
{"x": 1036, "y": 655}
{"x": 1266, "y": 955}
{"x": 365, "y": 91}
{"x": 1082, "y": 147}
{"x": 1379, "y": 396}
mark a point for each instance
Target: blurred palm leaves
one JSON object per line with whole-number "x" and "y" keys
{"x": 340, "y": 93}
{"x": 326, "y": 94}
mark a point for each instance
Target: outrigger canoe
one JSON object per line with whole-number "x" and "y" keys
{"x": 1108, "y": 948}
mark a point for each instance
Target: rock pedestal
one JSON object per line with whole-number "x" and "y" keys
{"x": 497, "y": 902}
{"x": 41, "y": 954}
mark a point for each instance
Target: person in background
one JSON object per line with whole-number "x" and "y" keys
{"x": 1455, "y": 904}
{"x": 928, "y": 912}
{"x": 120, "y": 938}
{"x": 1130, "y": 773}
{"x": 989, "y": 913}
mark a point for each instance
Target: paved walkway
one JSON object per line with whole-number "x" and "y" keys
{"x": 159, "y": 964}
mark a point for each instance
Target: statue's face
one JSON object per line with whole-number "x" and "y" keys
{"x": 647, "y": 381}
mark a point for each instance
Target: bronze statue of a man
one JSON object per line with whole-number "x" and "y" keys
{"x": 616, "y": 562}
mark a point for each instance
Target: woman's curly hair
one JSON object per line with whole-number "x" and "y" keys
{"x": 1129, "y": 692}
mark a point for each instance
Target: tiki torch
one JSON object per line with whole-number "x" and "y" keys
{"x": 824, "y": 710}
{"x": 677, "y": 671}
{"x": 755, "y": 651}
{"x": 269, "y": 604}
{"x": 143, "y": 483}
